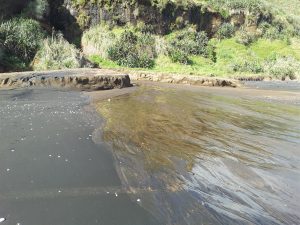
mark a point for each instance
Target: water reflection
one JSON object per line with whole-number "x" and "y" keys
{"x": 206, "y": 157}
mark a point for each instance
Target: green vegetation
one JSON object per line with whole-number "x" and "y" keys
{"x": 133, "y": 50}
{"x": 184, "y": 43}
{"x": 245, "y": 38}
{"x": 20, "y": 39}
{"x": 268, "y": 33}
{"x": 56, "y": 53}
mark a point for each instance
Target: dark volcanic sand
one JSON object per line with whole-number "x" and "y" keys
{"x": 51, "y": 171}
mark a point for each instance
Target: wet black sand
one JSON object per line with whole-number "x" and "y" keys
{"x": 51, "y": 171}
{"x": 173, "y": 155}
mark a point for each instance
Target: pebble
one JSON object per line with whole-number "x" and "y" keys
{"x": 116, "y": 194}
{"x": 138, "y": 200}
{"x": 2, "y": 220}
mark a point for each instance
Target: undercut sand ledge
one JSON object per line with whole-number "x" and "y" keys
{"x": 83, "y": 79}
{"x": 102, "y": 79}
{"x": 184, "y": 79}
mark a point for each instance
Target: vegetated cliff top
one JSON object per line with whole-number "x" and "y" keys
{"x": 291, "y": 6}
{"x": 288, "y": 9}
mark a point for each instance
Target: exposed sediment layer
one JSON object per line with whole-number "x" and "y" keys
{"x": 182, "y": 79}
{"x": 84, "y": 79}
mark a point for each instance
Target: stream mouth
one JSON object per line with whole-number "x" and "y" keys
{"x": 160, "y": 154}
{"x": 203, "y": 156}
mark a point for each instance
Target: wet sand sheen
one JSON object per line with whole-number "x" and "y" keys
{"x": 51, "y": 171}
{"x": 215, "y": 156}
{"x": 183, "y": 155}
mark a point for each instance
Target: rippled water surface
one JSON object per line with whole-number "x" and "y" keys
{"x": 208, "y": 157}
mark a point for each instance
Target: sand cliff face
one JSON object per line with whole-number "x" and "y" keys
{"x": 83, "y": 79}
{"x": 101, "y": 79}
{"x": 184, "y": 79}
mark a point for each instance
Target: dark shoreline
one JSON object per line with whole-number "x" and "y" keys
{"x": 54, "y": 166}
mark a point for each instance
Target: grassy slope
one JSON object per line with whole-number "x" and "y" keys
{"x": 287, "y": 6}
{"x": 228, "y": 51}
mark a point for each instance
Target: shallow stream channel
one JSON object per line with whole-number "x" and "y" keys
{"x": 151, "y": 154}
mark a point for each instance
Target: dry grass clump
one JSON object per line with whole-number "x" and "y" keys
{"x": 56, "y": 53}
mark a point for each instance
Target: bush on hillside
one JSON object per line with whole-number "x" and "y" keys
{"x": 133, "y": 50}
{"x": 226, "y": 30}
{"x": 251, "y": 5}
{"x": 21, "y": 38}
{"x": 276, "y": 30}
{"x": 245, "y": 37}
{"x": 57, "y": 53}
{"x": 97, "y": 40}
{"x": 179, "y": 56}
{"x": 248, "y": 66}
{"x": 283, "y": 67}
{"x": 190, "y": 42}
{"x": 161, "y": 45}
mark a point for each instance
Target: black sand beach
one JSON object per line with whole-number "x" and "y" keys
{"x": 51, "y": 171}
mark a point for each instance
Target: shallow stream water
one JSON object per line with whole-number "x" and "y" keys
{"x": 209, "y": 156}
{"x": 166, "y": 155}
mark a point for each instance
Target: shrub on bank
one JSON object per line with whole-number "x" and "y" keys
{"x": 179, "y": 56}
{"x": 57, "y": 53}
{"x": 97, "y": 40}
{"x": 225, "y": 31}
{"x": 283, "y": 67}
{"x": 133, "y": 50}
{"x": 190, "y": 42}
{"x": 21, "y": 38}
{"x": 185, "y": 43}
{"x": 247, "y": 66}
{"x": 245, "y": 37}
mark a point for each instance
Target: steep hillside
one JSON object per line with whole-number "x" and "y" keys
{"x": 202, "y": 37}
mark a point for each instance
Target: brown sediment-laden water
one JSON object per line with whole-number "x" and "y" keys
{"x": 208, "y": 156}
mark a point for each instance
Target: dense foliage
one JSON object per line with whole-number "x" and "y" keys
{"x": 226, "y": 30}
{"x": 20, "y": 39}
{"x": 56, "y": 53}
{"x": 243, "y": 37}
{"x": 282, "y": 67}
{"x": 185, "y": 43}
{"x": 98, "y": 40}
{"x": 133, "y": 50}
